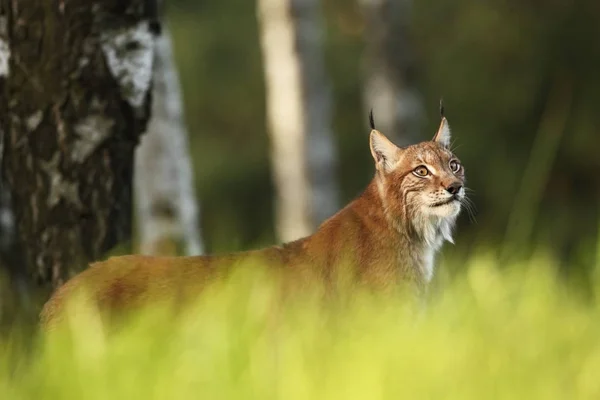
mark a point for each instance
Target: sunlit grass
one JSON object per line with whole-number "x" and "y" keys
{"x": 510, "y": 333}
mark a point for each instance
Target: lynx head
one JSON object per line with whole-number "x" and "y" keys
{"x": 422, "y": 185}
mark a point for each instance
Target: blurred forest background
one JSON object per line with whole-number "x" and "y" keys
{"x": 519, "y": 81}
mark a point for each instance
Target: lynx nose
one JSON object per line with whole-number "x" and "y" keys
{"x": 454, "y": 188}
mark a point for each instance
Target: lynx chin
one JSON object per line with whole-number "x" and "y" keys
{"x": 387, "y": 236}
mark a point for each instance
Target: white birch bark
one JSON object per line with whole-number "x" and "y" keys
{"x": 166, "y": 205}
{"x": 388, "y": 67}
{"x": 298, "y": 115}
{"x": 69, "y": 127}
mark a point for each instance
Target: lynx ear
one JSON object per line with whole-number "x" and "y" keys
{"x": 443, "y": 134}
{"x": 385, "y": 153}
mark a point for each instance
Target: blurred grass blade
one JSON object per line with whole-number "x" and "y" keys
{"x": 537, "y": 172}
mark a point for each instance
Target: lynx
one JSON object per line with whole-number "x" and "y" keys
{"x": 388, "y": 235}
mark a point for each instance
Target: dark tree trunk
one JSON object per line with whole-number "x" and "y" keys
{"x": 75, "y": 98}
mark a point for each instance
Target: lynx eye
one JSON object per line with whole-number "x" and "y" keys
{"x": 454, "y": 166}
{"x": 421, "y": 171}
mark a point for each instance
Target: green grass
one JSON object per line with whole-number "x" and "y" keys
{"x": 515, "y": 333}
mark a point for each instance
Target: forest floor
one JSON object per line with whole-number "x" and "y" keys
{"x": 515, "y": 332}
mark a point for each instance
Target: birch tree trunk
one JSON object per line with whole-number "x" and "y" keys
{"x": 166, "y": 205}
{"x": 75, "y": 82}
{"x": 11, "y": 255}
{"x": 321, "y": 148}
{"x": 298, "y": 95}
{"x": 7, "y": 228}
{"x": 389, "y": 70}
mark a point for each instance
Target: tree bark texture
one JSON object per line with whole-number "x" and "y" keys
{"x": 166, "y": 204}
{"x": 389, "y": 70}
{"x": 303, "y": 154}
{"x": 75, "y": 78}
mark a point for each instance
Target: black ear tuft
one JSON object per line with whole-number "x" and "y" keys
{"x": 441, "y": 107}
{"x": 371, "y": 120}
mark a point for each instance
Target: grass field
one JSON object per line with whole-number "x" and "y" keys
{"x": 518, "y": 333}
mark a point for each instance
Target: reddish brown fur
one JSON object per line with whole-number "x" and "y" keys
{"x": 372, "y": 240}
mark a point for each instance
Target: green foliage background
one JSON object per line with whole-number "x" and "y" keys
{"x": 520, "y": 84}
